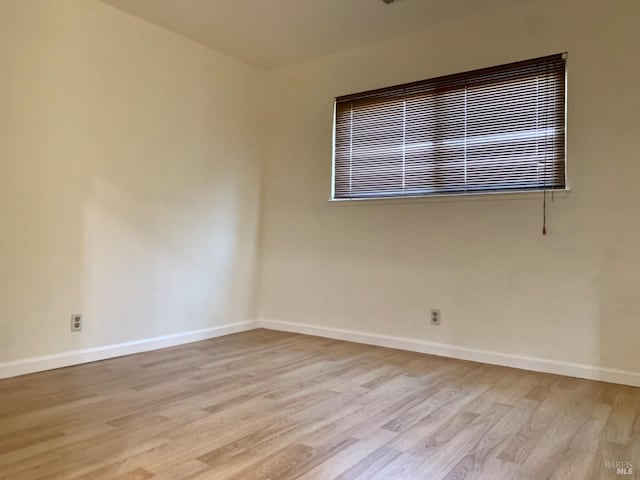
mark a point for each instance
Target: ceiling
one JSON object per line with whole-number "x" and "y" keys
{"x": 272, "y": 33}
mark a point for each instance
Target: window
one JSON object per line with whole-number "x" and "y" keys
{"x": 498, "y": 129}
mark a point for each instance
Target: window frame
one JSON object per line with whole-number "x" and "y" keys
{"x": 526, "y": 193}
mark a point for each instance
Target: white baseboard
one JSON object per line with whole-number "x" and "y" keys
{"x": 65, "y": 359}
{"x": 590, "y": 372}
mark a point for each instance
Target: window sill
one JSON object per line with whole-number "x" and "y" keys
{"x": 455, "y": 197}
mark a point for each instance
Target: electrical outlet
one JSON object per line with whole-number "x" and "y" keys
{"x": 435, "y": 316}
{"x": 76, "y": 322}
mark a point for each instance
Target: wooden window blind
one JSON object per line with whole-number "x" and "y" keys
{"x": 491, "y": 130}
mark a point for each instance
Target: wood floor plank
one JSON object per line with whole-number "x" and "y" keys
{"x": 473, "y": 463}
{"x": 370, "y": 465}
{"x": 266, "y": 405}
{"x": 528, "y": 437}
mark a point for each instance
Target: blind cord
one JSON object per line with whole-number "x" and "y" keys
{"x": 546, "y": 148}
{"x": 544, "y": 211}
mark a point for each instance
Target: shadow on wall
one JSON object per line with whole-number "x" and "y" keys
{"x": 159, "y": 261}
{"x": 618, "y": 303}
{"x": 127, "y": 190}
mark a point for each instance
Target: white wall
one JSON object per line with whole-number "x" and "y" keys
{"x": 130, "y": 182}
{"x": 573, "y": 296}
{"x": 129, "y": 179}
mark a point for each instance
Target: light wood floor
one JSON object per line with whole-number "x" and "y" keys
{"x": 278, "y": 406}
